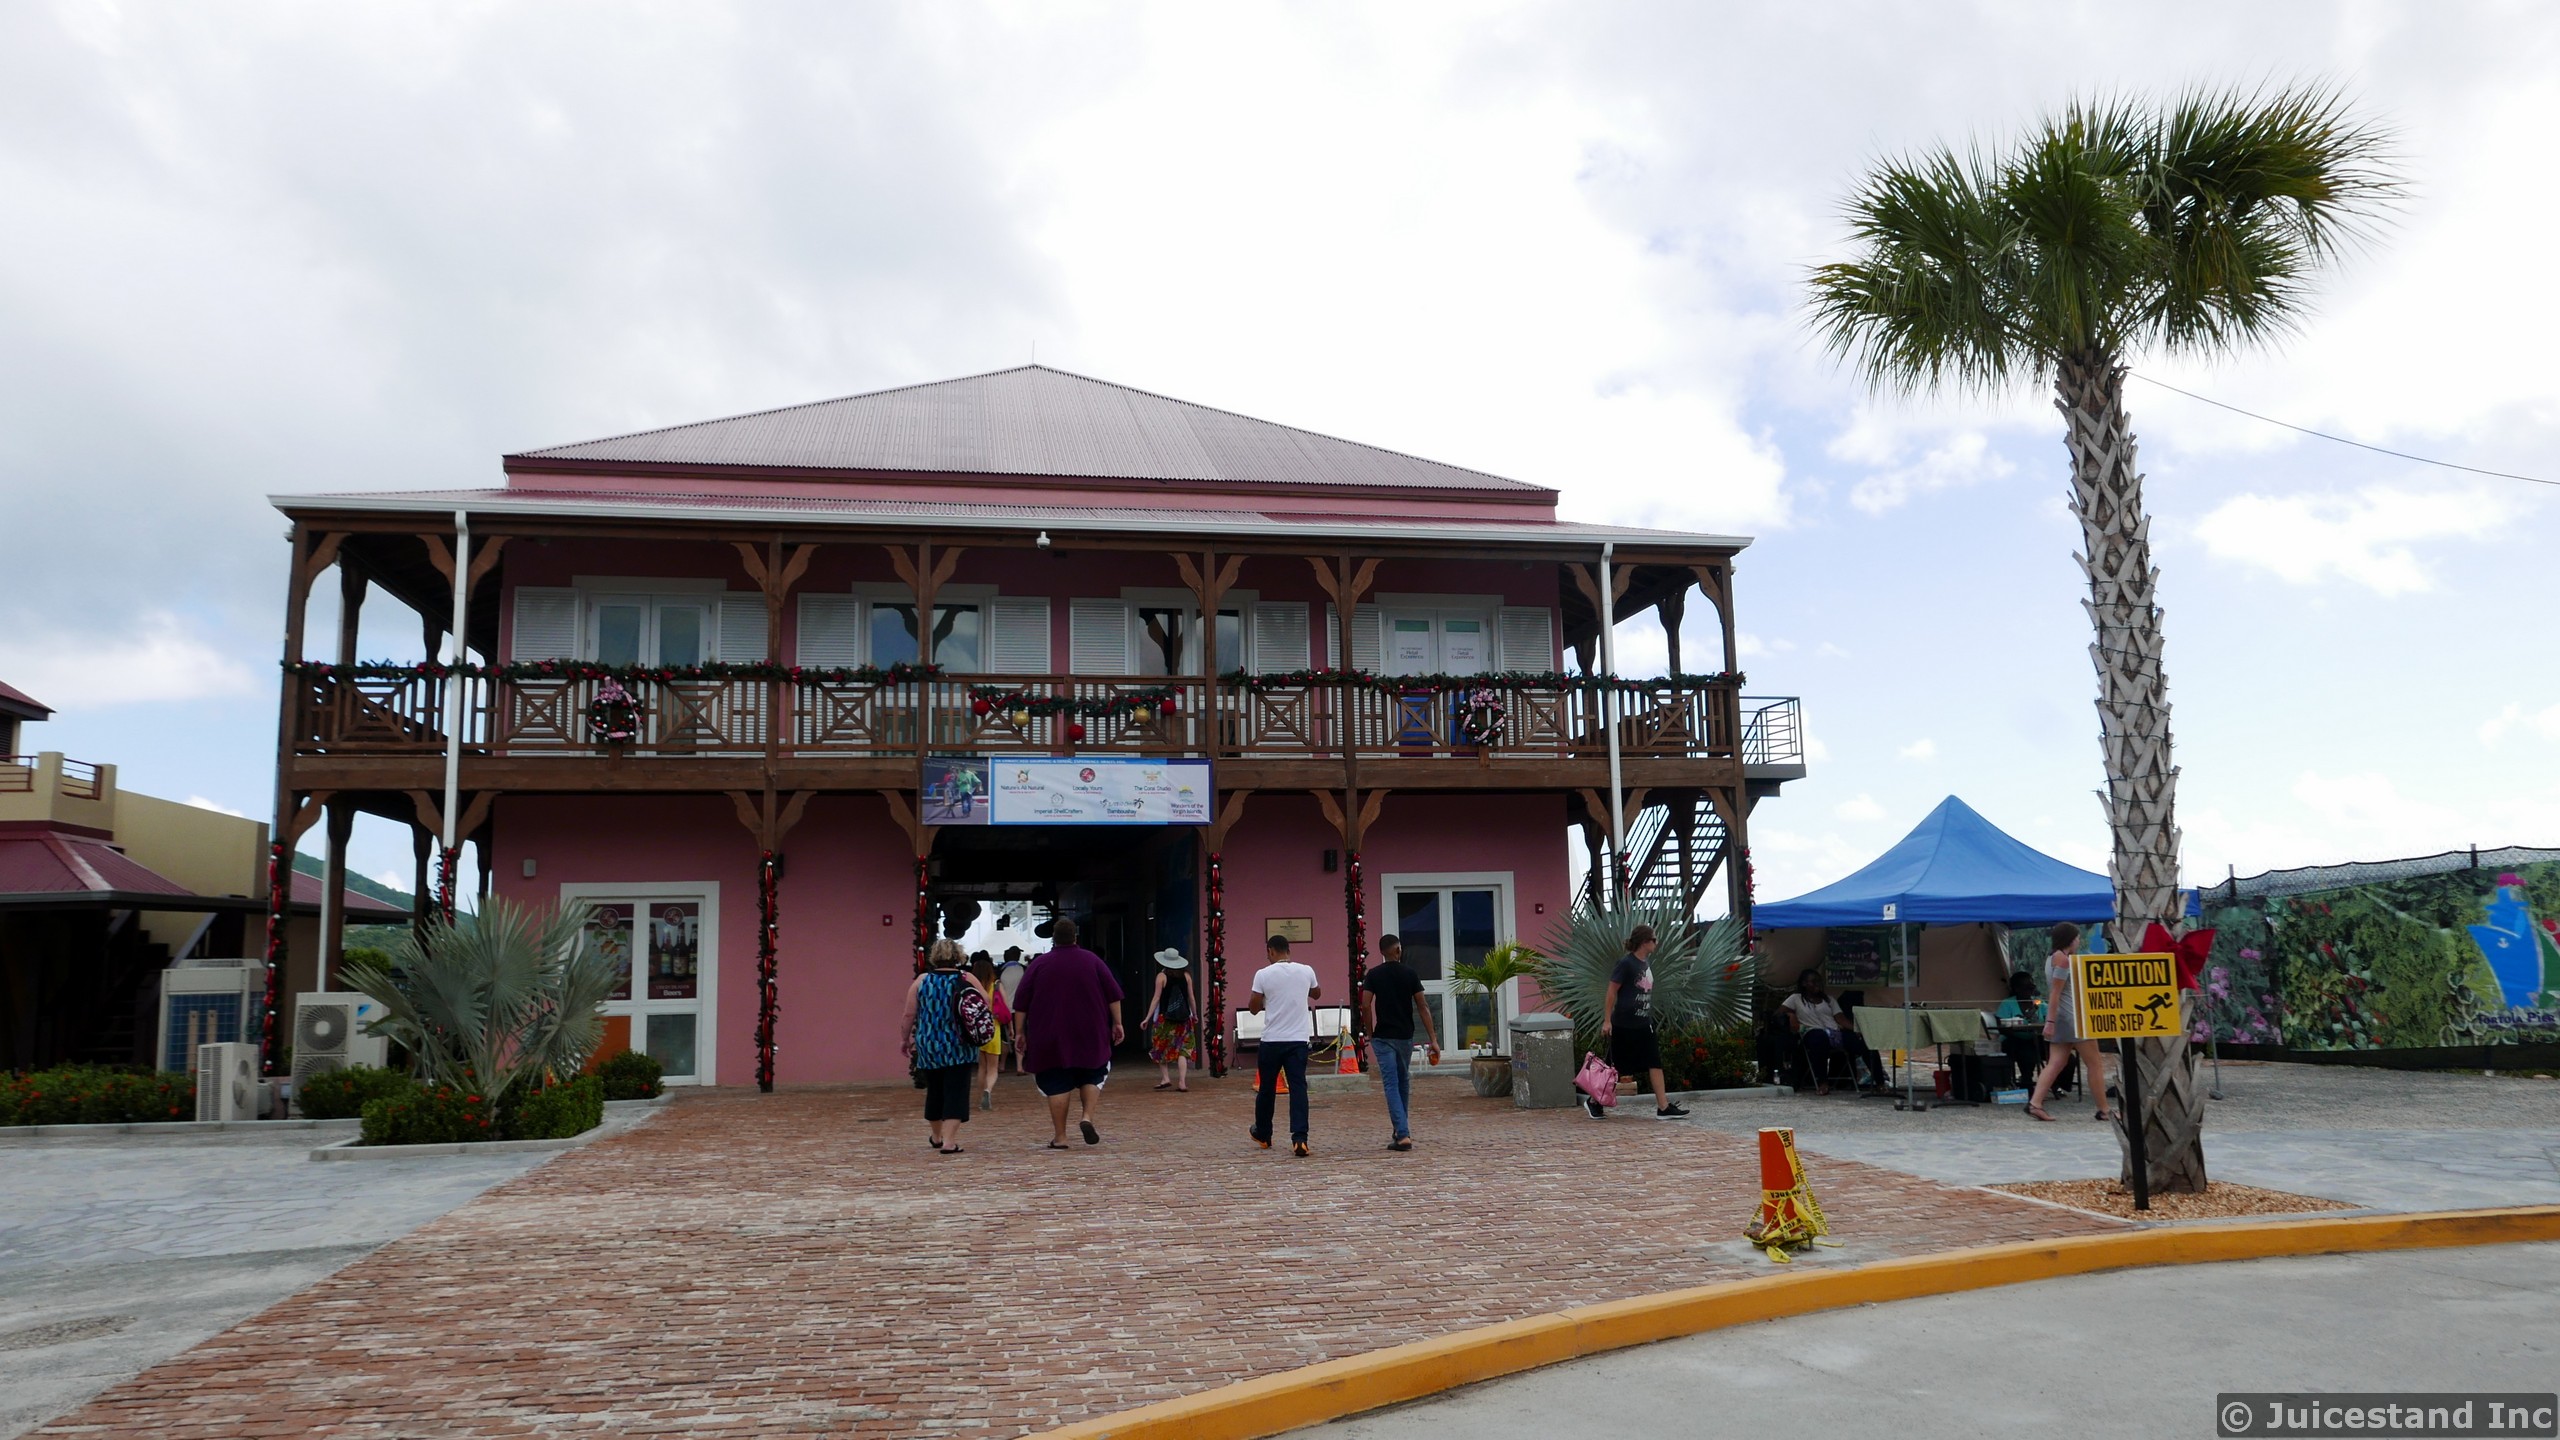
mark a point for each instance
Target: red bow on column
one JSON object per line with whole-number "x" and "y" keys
{"x": 2191, "y": 949}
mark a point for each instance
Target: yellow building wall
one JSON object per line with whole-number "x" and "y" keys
{"x": 205, "y": 850}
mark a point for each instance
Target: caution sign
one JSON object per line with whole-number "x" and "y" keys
{"x": 2128, "y": 997}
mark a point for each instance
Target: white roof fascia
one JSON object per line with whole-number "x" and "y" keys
{"x": 1263, "y": 525}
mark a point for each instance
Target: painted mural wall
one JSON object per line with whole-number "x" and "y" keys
{"x": 2465, "y": 957}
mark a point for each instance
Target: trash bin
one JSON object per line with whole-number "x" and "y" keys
{"x": 1542, "y": 1062}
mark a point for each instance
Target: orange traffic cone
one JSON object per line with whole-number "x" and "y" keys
{"x": 1349, "y": 1061}
{"x": 1789, "y": 1218}
{"x": 1279, "y": 1082}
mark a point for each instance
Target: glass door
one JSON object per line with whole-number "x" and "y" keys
{"x": 1443, "y": 927}
{"x": 663, "y": 978}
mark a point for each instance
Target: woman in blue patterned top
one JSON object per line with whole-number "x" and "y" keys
{"x": 943, "y": 1059}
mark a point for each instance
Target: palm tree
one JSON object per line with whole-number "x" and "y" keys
{"x": 2187, "y": 228}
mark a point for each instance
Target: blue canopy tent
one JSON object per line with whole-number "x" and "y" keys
{"x": 1953, "y": 868}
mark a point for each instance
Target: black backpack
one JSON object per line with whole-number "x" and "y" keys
{"x": 1176, "y": 1005}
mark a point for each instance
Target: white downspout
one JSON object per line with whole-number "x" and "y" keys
{"x": 1609, "y": 717}
{"x": 453, "y": 708}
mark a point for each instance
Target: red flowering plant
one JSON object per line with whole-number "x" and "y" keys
{"x": 96, "y": 1095}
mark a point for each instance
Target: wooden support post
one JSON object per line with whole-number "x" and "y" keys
{"x": 311, "y": 554}
{"x": 1351, "y": 819}
{"x": 333, "y": 892}
{"x": 1715, "y": 581}
{"x": 1670, "y": 607}
{"x": 1209, "y": 583}
{"x": 920, "y": 838}
{"x": 351, "y": 593}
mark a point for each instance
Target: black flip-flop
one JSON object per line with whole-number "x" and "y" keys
{"x": 1057, "y": 1145}
{"x": 1166, "y": 1085}
{"x": 1091, "y": 1135}
{"x": 955, "y": 1150}
{"x": 1399, "y": 1144}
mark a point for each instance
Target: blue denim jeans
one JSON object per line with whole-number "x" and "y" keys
{"x": 1394, "y": 1059}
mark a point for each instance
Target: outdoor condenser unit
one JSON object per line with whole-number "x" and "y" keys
{"x": 227, "y": 1082}
{"x": 208, "y": 1002}
{"x": 328, "y": 1034}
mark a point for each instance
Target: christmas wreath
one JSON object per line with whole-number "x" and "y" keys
{"x": 613, "y": 717}
{"x": 1480, "y": 718}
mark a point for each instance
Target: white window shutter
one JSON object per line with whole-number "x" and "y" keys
{"x": 1098, "y": 637}
{"x": 830, "y": 631}
{"x": 742, "y": 629}
{"x": 1528, "y": 640}
{"x": 1364, "y": 637}
{"x": 546, "y": 624}
{"x": 1279, "y": 637}
{"x": 1018, "y": 635}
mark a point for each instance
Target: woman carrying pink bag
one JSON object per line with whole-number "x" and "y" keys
{"x": 1626, "y": 1029}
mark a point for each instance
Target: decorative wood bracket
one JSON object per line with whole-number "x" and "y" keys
{"x": 1353, "y": 825}
{"x": 776, "y": 586}
{"x": 769, "y": 817}
{"x": 1229, "y": 812}
{"x": 919, "y": 835}
{"x": 306, "y": 812}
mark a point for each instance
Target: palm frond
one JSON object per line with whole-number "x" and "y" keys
{"x": 1702, "y": 977}
{"x": 2193, "y": 226}
{"x": 511, "y": 997}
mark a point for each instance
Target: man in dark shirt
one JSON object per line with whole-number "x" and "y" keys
{"x": 1626, "y": 1024}
{"x": 1068, "y": 1005}
{"x": 1391, "y": 997}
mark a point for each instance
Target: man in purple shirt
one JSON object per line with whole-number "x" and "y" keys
{"x": 1068, "y": 1006}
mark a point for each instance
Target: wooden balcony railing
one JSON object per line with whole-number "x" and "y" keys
{"x": 399, "y": 711}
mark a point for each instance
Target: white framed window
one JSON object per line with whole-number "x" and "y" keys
{"x": 876, "y": 625}
{"x": 638, "y": 621}
{"x": 1447, "y": 919}
{"x": 667, "y": 940}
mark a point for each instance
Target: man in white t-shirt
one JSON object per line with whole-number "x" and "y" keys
{"x": 1283, "y": 993}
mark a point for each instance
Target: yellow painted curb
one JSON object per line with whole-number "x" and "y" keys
{"x": 1328, "y": 1391}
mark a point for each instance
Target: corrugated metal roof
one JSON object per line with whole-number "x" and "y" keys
{"x": 1029, "y": 421}
{"x": 307, "y": 891}
{"x": 923, "y": 514}
{"x": 52, "y": 861}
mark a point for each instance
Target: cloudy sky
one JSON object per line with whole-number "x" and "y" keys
{"x": 256, "y": 248}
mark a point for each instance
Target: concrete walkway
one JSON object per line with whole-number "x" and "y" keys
{"x": 2137, "y": 1355}
{"x": 2377, "y": 1139}
{"x": 116, "y": 1253}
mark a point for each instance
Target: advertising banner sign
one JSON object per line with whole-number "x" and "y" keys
{"x": 1052, "y": 791}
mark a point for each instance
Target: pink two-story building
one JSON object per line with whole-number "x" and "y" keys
{"x": 756, "y": 688}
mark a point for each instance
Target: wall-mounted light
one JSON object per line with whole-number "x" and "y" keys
{"x": 1043, "y": 541}
{"x": 528, "y": 867}
{"x": 888, "y": 920}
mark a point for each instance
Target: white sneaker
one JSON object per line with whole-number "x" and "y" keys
{"x": 1592, "y": 1108}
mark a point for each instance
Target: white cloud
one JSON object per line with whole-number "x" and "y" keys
{"x": 1752, "y": 646}
{"x": 2368, "y": 538}
{"x": 1923, "y": 748}
{"x": 1862, "y": 807}
{"x": 1959, "y": 460}
{"x": 164, "y": 658}
{"x": 215, "y": 806}
{"x": 1830, "y": 651}
{"x": 2545, "y": 723}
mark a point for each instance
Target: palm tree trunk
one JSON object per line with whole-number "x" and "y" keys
{"x": 2133, "y": 717}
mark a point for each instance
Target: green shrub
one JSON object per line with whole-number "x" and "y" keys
{"x": 1709, "y": 1060}
{"x": 631, "y": 1075}
{"x": 96, "y": 1095}
{"x": 341, "y": 1094}
{"x": 556, "y": 1112}
{"x": 418, "y": 1115}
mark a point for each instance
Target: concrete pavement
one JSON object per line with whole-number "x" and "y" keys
{"x": 2139, "y": 1355}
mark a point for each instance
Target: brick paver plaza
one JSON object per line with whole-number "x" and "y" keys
{"x": 801, "y": 1263}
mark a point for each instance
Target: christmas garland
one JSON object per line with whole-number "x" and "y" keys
{"x": 1022, "y": 704}
{"x": 523, "y": 670}
{"x": 1504, "y": 682}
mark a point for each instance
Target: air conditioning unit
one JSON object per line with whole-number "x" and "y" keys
{"x": 328, "y": 1034}
{"x": 209, "y": 1002}
{"x": 227, "y": 1082}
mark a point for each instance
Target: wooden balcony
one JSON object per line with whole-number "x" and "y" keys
{"x": 357, "y": 727}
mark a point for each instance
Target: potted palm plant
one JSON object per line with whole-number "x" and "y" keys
{"x": 1490, "y": 1070}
